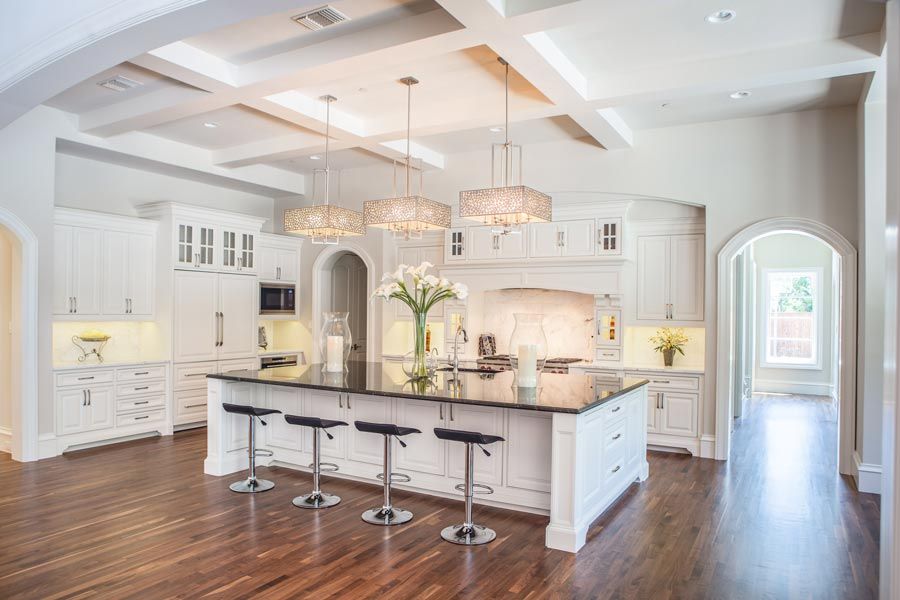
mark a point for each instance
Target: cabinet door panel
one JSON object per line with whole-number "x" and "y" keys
{"x": 482, "y": 243}
{"x": 679, "y": 414}
{"x": 425, "y": 453}
{"x": 455, "y": 244}
{"x": 577, "y": 237}
{"x": 115, "y": 273}
{"x": 688, "y": 254}
{"x": 278, "y": 432}
{"x": 71, "y": 405}
{"x": 237, "y": 304}
{"x": 513, "y": 245}
{"x": 529, "y": 451}
{"x": 287, "y": 263}
{"x": 238, "y": 426}
{"x": 62, "y": 270}
{"x": 653, "y": 277}
{"x": 196, "y": 325}
{"x": 544, "y": 240}
{"x": 101, "y": 407}
{"x": 141, "y": 274}
{"x": 653, "y": 412}
{"x": 325, "y": 405}
{"x": 86, "y": 244}
{"x": 485, "y": 419}
{"x": 268, "y": 264}
{"x": 362, "y": 446}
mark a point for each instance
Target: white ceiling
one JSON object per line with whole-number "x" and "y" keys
{"x": 592, "y": 70}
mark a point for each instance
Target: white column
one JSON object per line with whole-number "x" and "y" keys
{"x": 566, "y": 485}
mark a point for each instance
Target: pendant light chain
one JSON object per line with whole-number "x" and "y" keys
{"x": 408, "y": 129}
{"x": 327, "y": 139}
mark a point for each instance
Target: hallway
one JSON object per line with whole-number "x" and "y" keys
{"x": 141, "y": 520}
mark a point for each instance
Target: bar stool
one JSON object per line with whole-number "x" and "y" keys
{"x": 252, "y": 485}
{"x": 316, "y": 498}
{"x": 469, "y": 534}
{"x": 387, "y": 514}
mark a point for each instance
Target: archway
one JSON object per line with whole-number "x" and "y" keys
{"x": 725, "y": 380}
{"x": 321, "y": 290}
{"x": 24, "y": 355}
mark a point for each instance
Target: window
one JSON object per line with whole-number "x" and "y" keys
{"x": 792, "y": 318}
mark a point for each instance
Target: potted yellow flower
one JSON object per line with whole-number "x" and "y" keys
{"x": 669, "y": 341}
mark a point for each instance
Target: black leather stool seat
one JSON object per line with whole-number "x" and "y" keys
{"x": 312, "y": 421}
{"x": 250, "y": 411}
{"x": 384, "y": 428}
{"x": 467, "y": 437}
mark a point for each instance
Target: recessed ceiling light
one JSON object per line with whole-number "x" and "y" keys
{"x": 315, "y": 157}
{"x": 740, "y": 94}
{"x": 721, "y": 16}
{"x": 211, "y": 124}
{"x": 496, "y": 129}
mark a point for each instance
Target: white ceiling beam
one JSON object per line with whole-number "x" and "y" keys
{"x": 761, "y": 68}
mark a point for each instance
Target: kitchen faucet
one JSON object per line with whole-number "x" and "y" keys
{"x": 465, "y": 336}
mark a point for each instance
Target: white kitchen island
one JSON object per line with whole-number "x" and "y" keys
{"x": 572, "y": 447}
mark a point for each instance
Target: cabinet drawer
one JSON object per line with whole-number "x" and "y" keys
{"x": 193, "y": 375}
{"x": 141, "y": 388}
{"x": 611, "y": 354}
{"x": 613, "y": 411}
{"x": 191, "y": 403}
{"x": 667, "y": 382}
{"x": 614, "y": 435}
{"x": 83, "y": 378}
{"x": 134, "y": 404}
{"x": 140, "y": 418}
{"x": 614, "y": 464}
{"x": 140, "y": 373}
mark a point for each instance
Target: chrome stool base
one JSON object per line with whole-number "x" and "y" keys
{"x": 251, "y": 486}
{"x": 316, "y": 500}
{"x": 468, "y": 536}
{"x": 392, "y": 516}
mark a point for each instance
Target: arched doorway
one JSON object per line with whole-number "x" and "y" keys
{"x": 343, "y": 279}
{"x": 19, "y": 271}
{"x": 725, "y": 323}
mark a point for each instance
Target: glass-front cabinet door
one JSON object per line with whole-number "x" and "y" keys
{"x": 609, "y": 236}
{"x": 194, "y": 246}
{"x": 238, "y": 251}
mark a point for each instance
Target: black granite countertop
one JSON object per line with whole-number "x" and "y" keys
{"x": 563, "y": 393}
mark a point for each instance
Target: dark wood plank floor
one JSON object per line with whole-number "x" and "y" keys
{"x": 140, "y": 520}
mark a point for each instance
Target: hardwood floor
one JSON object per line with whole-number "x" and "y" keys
{"x": 140, "y": 520}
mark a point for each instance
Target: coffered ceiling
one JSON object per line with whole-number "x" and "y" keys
{"x": 594, "y": 70}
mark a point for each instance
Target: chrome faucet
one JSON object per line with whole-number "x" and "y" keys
{"x": 465, "y": 336}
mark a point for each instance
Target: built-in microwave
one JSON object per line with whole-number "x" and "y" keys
{"x": 277, "y": 298}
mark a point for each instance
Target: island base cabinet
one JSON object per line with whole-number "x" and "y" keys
{"x": 278, "y": 432}
{"x": 484, "y": 419}
{"x": 326, "y": 405}
{"x": 363, "y": 446}
{"x": 529, "y": 450}
{"x": 425, "y": 453}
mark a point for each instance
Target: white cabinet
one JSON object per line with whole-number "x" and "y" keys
{"x": 673, "y": 409}
{"x": 279, "y": 432}
{"x": 529, "y": 450}
{"x": 670, "y": 277}
{"x": 484, "y": 244}
{"x": 424, "y": 452}
{"x": 678, "y": 414}
{"x": 561, "y": 239}
{"x": 277, "y": 264}
{"x": 195, "y": 246}
{"x": 363, "y": 446}
{"x": 455, "y": 244}
{"x": 83, "y": 409}
{"x": 326, "y": 405}
{"x": 237, "y": 316}
{"x": 127, "y": 273}
{"x": 76, "y": 270}
{"x": 653, "y": 404}
{"x": 485, "y": 419}
{"x": 609, "y": 236}
{"x": 238, "y": 252}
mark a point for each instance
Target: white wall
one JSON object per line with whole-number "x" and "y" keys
{"x": 742, "y": 171}
{"x": 7, "y": 285}
{"x": 792, "y": 251}
{"x": 95, "y": 185}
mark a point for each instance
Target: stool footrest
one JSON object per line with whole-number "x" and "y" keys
{"x": 477, "y": 488}
{"x": 396, "y": 477}
{"x": 325, "y": 467}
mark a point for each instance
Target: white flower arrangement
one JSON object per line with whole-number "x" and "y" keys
{"x": 421, "y": 291}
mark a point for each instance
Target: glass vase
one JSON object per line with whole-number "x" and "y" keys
{"x": 335, "y": 341}
{"x": 416, "y": 364}
{"x": 528, "y": 349}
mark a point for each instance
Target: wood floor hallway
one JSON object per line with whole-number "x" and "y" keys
{"x": 140, "y": 520}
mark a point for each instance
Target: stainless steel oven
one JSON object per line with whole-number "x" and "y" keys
{"x": 277, "y": 298}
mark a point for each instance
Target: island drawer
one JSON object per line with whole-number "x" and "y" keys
{"x": 140, "y": 373}
{"x": 614, "y": 434}
{"x": 614, "y": 463}
{"x": 193, "y": 375}
{"x": 83, "y": 378}
{"x": 613, "y": 411}
{"x": 150, "y": 416}
{"x": 133, "y": 404}
{"x": 142, "y": 388}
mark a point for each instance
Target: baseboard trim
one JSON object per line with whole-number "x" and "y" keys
{"x": 707, "y": 446}
{"x": 793, "y": 387}
{"x": 47, "y": 446}
{"x": 867, "y": 475}
{"x": 6, "y": 440}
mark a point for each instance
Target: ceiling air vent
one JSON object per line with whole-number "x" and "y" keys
{"x": 320, "y": 18}
{"x": 119, "y": 83}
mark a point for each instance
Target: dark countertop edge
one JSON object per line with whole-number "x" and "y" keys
{"x": 410, "y": 395}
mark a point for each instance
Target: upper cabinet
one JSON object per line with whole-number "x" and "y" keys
{"x": 206, "y": 239}
{"x": 277, "y": 257}
{"x": 103, "y": 266}
{"x": 670, "y": 277}
{"x": 485, "y": 244}
{"x": 565, "y": 238}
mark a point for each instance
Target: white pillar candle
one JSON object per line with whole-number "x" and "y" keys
{"x": 527, "y": 365}
{"x": 334, "y": 354}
